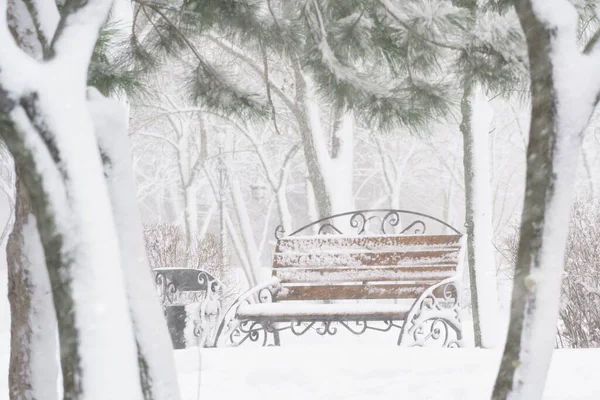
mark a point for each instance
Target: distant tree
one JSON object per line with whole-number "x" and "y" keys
{"x": 323, "y": 65}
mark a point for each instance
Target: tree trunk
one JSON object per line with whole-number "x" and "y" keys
{"x": 476, "y": 119}
{"x": 191, "y": 214}
{"x": 76, "y": 227}
{"x": 34, "y": 368}
{"x": 465, "y": 128}
{"x": 311, "y": 203}
{"x": 157, "y": 367}
{"x": 558, "y": 117}
{"x": 340, "y": 174}
{"x": 284, "y": 211}
{"x": 246, "y": 231}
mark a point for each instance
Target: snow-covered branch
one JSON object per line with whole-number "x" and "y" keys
{"x": 17, "y": 69}
{"x": 77, "y": 32}
{"x": 45, "y": 18}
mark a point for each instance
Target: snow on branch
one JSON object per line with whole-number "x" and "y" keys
{"x": 78, "y": 32}
{"x": 45, "y": 18}
{"x": 340, "y": 72}
{"x": 576, "y": 74}
{"x": 17, "y": 69}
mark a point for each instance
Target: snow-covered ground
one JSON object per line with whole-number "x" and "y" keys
{"x": 324, "y": 372}
{"x": 344, "y": 367}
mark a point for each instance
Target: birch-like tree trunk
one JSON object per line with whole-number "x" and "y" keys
{"x": 565, "y": 85}
{"x": 476, "y": 119}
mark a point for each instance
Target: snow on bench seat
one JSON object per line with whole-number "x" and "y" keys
{"x": 352, "y": 291}
{"x": 310, "y": 311}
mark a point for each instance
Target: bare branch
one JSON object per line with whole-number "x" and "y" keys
{"x": 286, "y": 164}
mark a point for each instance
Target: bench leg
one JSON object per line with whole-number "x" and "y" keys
{"x": 230, "y": 327}
{"x": 276, "y": 339}
{"x": 434, "y": 319}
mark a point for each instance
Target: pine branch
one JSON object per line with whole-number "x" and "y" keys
{"x": 231, "y": 49}
{"x": 395, "y": 14}
{"x": 592, "y": 43}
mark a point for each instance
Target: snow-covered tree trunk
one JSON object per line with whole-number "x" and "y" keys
{"x": 311, "y": 201}
{"x": 49, "y": 131}
{"x": 245, "y": 226}
{"x": 283, "y": 209}
{"x": 190, "y": 192}
{"x": 241, "y": 253}
{"x": 330, "y": 173}
{"x": 476, "y": 118}
{"x": 565, "y": 86}
{"x": 157, "y": 367}
{"x": 33, "y": 369}
{"x": 340, "y": 173}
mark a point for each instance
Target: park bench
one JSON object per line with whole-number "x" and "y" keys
{"x": 315, "y": 276}
{"x": 190, "y": 300}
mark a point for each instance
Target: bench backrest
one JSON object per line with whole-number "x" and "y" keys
{"x": 173, "y": 282}
{"x": 332, "y": 267}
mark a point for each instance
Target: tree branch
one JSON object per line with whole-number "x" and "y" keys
{"x": 395, "y": 14}
{"x": 230, "y": 48}
{"x": 592, "y": 43}
{"x": 286, "y": 163}
{"x": 45, "y": 17}
{"x": 17, "y": 69}
{"x": 78, "y": 31}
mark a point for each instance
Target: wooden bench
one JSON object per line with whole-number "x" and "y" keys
{"x": 190, "y": 300}
{"x": 311, "y": 274}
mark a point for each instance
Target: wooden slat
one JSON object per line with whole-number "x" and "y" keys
{"x": 343, "y": 292}
{"x": 330, "y": 242}
{"x": 363, "y": 274}
{"x": 335, "y": 259}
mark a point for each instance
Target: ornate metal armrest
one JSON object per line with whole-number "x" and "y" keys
{"x": 435, "y": 317}
{"x": 262, "y": 293}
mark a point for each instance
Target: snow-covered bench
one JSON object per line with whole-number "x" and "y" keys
{"x": 190, "y": 300}
{"x": 315, "y": 276}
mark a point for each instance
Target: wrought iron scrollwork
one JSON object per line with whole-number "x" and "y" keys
{"x": 232, "y": 331}
{"x": 375, "y": 222}
{"x": 417, "y": 228}
{"x": 266, "y": 332}
{"x": 279, "y": 232}
{"x": 254, "y": 331}
{"x": 186, "y": 286}
{"x": 434, "y": 318}
{"x": 166, "y": 289}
